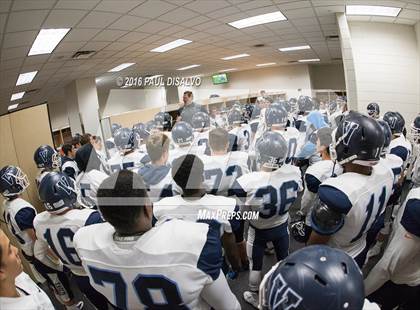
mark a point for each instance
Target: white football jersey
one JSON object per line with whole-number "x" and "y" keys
{"x": 191, "y": 209}
{"x": 58, "y": 231}
{"x": 159, "y": 182}
{"x": 393, "y": 162}
{"x": 293, "y": 138}
{"x": 30, "y": 296}
{"x": 221, "y": 171}
{"x": 402, "y": 148}
{"x": 69, "y": 167}
{"x": 168, "y": 265}
{"x": 269, "y": 193}
{"x": 243, "y": 136}
{"x": 201, "y": 138}
{"x": 133, "y": 160}
{"x": 40, "y": 176}
{"x": 362, "y": 198}
{"x": 87, "y": 185}
{"x": 180, "y": 151}
{"x": 19, "y": 216}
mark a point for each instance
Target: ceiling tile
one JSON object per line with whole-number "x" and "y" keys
{"x": 254, "y": 4}
{"x": 133, "y": 37}
{"x": 76, "y": 4}
{"x": 81, "y": 34}
{"x": 119, "y": 6}
{"x": 109, "y": 35}
{"x": 3, "y": 18}
{"x": 328, "y": 10}
{"x": 117, "y": 46}
{"x": 35, "y": 60}
{"x": 405, "y": 21}
{"x": 15, "y": 52}
{"x": 128, "y": 22}
{"x": 4, "y": 6}
{"x": 172, "y": 30}
{"x": 292, "y": 5}
{"x": 63, "y": 18}
{"x": 153, "y": 26}
{"x": 204, "y": 7}
{"x": 69, "y": 47}
{"x": 178, "y": 15}
{"x": 409, "y": 14}
{"x": 152, "y": 9}
{"x": 98, "y": 20}
{"x": 224, "y": 12}
{"x": 22, "y": 38}
{"x": 95, "y": 46}
{"x": 195, "y": 21}
{"x": 25, "y": 20}
{"x": 11, "y": 64}
{"x": 32, "y": 5}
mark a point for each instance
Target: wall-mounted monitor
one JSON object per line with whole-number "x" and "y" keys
{"x": 220, "y": 78}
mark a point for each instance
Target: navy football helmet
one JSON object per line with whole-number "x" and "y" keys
{"x": 235, "y": 117}
{"x": 373, "y": 109}
{"x": 200, "y": 120}
{"x": 57, "y": 192}
{"x": 271, "y": 150}
{"x": 247, "y": 111}
{"x": 13, "y": 181}
{"x": 414, "y": 134}
{"x": 141, "y": 130}
{"x": 182, "y": 133}
{"x": 305, "y": 104}
{"x": 275, "y": 116}
{"x": 46, "y": 157}
{"x": 293, "y": 104}
{"x": 114, "y": 128}
{"x": 315, "y": 277}
{"x": 387, "y": 135}
{"x": 332, "y": 106}
{"x": 126, "y": 139}
{"x": 395, "y": 121}
{"x": 163, "y": 120}
{"x": 256, "y": 112}
{"x": 358, "y": 139}
{"x": 151, "y": 126}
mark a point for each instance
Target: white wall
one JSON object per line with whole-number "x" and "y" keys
{"x": 387, "y": 66}
{"x": 58, "y": 115}
{"x": 284, "y": 78}
{"x": 327, "y": 76}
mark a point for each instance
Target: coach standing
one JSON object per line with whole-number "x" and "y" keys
{"x": 189, "y": 108}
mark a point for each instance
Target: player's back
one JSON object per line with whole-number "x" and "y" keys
{"x": 362, "y": 198}
{"x": 87, "y": 185}
{"x": 201, "y": 138}
{"x": 221, "y": 171}
{"x": 243, "y": 136}
{"x": 58, "y": 232}
{"x": 133, "y": 160}
{"x": 148, "y": 270}
{"x": 395, "y": 163}
{"x": 19, "y": 215}
{"x": 401, "y": 147}
{"x": 269, "y": 193}
{"x": 292, "y": 137}
{"x": 178, "y": 151}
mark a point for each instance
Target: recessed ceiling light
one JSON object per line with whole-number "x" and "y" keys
{"x": 13, "y": 106}
{"x": 17, "y": 96}
{"x": 188, "y": 67}
{"x": 266, "y": 64}
{"x": 171, "y": 45}
{"x": 294, "y": 48}
{"x": 235, "y": 56}
{"x": 25, "y": 78}
{"x": 258, "y": 20}
{"x": 47, "y": 40}
{"x": 309, "y": 60}
{"x": 373, "y": 10}
{"x": 227, "y": 70}
{"x": 122, "y": 67}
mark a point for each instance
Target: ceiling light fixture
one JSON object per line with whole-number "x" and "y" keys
{"x": 17, "y": 96}
{"x": 294, "y": 48}
{"x": 258, "y": 20}
{"x": 122, "y": 66}
{"x": 46, "y": 41}
{"x": 26, "y": 78}
{"x": 171, "y": 45}
{"x": 188, "y": 67}
{"x": 235, "y": 56}
{"x": 309, "y": 60}
{"x": 266, "y": 64}
{"x": 12, "y": 107}
{"x": 373, "y": 10}
{"x": 228, "y": 70}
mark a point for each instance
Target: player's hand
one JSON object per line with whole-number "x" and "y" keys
{"x": 232, "y": 275}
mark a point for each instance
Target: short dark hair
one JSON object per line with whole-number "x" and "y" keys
{"x": 121, "y": 200}
{"x": 67, "y": 148}
{"x": 156, "y": 145}
{"x": 97, "y": 138}
{"x": 76, "y": 139}
{"x": 187, "y": 172}
{"x": 188, "y": 93}
{"x": 218, "y": 139}
{"x": 85, "y": 139}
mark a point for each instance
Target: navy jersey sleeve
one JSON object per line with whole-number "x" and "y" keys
{"x": 234, "y": 221}
{"x": 312, "y": 183}
{"x": 411, "y": 217}
{"x": 94, "y": 218}
{"x": 210, "y": 260}
{"x": 25, "y": 218}
{"x": 400, "y": 151}
{"x": 70, "y": 172}
{"x": 334, "y": 199}
{"x": 238, "y": 191}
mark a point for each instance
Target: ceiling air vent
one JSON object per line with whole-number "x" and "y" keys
{"x": 332, "y": 38}
{"x": 259, "y": 45}
{"x": 337, "y": 59}
{"x": 292, "y": 61}
{"x": 31, "y": 91}
{"x": 83, "y": 55}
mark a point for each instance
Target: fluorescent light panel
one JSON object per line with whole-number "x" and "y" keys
{"x": 294, "y": 48}
{"x": 235, "y": 56}
{"x": 122, "y": 67}
{"x": 188, "y": 67}
{"x": 17, "y": 96}
{"x": 373, "y": 10}
{"x": 258, "y": 20}
{"x": 13, "y": 106}
{"x": 227, "y": 70}
{"x": 47, "y": 40}
{"x": 266, "y": 64}
{"x": 25, "y": 78}
{"x": 171, "y": 45}
{"x": 309, "y": 60}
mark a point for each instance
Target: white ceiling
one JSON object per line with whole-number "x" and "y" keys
{"x": 125, "y": 31}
